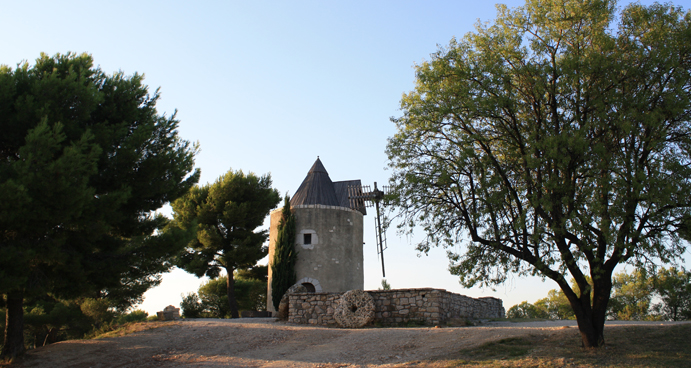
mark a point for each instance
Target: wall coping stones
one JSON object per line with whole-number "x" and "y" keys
{"x": 320, "y": 206}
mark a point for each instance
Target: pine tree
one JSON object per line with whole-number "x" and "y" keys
{"x": 225, "y": 217}
{"x": 285, "y": 255}
{"x": 85, "y": 162}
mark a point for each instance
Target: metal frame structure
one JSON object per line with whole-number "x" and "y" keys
{"x": 361, "y": 195}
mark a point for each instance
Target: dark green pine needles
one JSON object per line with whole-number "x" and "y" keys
{"x": 285, "y": 255}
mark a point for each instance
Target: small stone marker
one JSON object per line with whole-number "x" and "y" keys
{"x": 169, "y": 313}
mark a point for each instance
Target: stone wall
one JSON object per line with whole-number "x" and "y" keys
{"x": 313, "y": 308}
{"x": 394, "y": 307}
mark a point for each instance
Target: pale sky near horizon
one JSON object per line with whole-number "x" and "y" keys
{"x": 267, "y": 86}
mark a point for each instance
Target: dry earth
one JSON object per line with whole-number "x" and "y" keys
{"x": 262, "y": 342}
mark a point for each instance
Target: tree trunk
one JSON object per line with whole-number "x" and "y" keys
{"x": 231, "y": 293}
{"x": 592, "y": 332}
{"x": 51, "y": 336}
{"x": 591, "y": 320}
{"x": 14, "y": 326}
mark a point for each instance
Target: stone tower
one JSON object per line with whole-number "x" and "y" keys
{"x": 328, "y": 235}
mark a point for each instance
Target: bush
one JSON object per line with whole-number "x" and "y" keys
{"x": 250, "y": 294}
{"x": 526, "y": 310}
{"x": 48, "y": 320}
{"x": 98, "y": 310}
{"x": 214, "y": 298}
{"x": 211, "y": 300}
{"x": 136, "y": 315}
{"x": 191, "y": 306}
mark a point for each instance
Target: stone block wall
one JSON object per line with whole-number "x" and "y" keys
{"x": 461, "y": 306}
{"x": 313, "y": 308}
{"x": 394, "y": 307}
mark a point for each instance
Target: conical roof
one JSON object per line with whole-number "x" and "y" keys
{"x": 317, "y": 188}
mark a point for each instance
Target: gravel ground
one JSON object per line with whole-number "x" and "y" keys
{"x": 263, "y": 342}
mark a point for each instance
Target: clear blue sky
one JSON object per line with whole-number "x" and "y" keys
{"x": 267, "y": 86}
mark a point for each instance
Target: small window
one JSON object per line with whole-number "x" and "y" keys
{"x": 307, "y": 238}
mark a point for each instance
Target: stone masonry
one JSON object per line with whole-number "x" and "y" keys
{"x": 393, "y": 307}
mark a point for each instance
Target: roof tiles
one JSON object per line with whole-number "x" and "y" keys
{"x": 317, "y": 188}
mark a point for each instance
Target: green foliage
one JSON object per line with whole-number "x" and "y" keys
{"x": 385, "y": 285}
{"x": 526, "y": 310}
{"x": 214, "y": 298}
{"x": 251, "y": 287}
{"x": 191, "y": 306}
{"x": 685, "y": 229}
{"x": 251, "y": 295}
{"x": 631, "y": 296}
{"x": 211, "y": 300}
{"x": 85, "y": 160}
{"x": 257, "y": 272}
{"x": 556, "y": 305}
{"x": 557, "y": 146}
{"x": 673, "y": 286}
{"x": 285, "y": 255}
{"x": 136, "y": 315}
{"x": 98, "y": 310}
{"x": 224, "y": 216}
{"x": 48, "y": 320}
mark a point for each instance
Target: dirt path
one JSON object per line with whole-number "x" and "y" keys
{"x": 265, "y": 343}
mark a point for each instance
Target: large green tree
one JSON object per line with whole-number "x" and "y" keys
{"x": 85, "y": 159}
{"x": 557, "y": 142}
{"x": 673, "y": 287}
{"x": 225, "y": 216}
{"x": 631, "y": 296}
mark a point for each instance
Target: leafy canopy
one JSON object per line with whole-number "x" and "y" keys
{"x": 556, "y": 142}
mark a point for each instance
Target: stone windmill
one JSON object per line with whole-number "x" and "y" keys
{"x": 329, "y": 234}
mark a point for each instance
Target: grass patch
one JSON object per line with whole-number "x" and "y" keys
{"x": 133, "y": 327}
{"x": 625, "y": 346}
{"x": 502, "y": 349}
